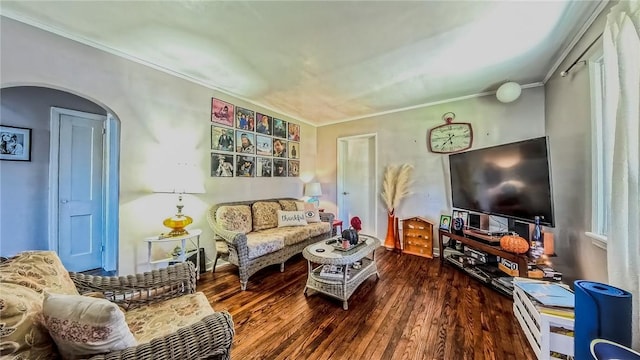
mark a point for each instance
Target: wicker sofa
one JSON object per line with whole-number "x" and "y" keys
{"x": 160, "y": 309}
{"x": 250, "y": 229}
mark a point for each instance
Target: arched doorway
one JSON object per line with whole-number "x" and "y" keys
{"x": 31, "y": 212}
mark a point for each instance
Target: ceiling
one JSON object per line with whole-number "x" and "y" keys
{"x": 327, "y": 61}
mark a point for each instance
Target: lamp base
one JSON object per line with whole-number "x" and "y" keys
{"x": 177, "y": 224}
{"x": 314, "y": 200}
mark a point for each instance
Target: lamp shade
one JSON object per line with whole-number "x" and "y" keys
{"x": 508, "y": 92}
{"x": 312, "y": 189}
{"x": 181, "y": 178}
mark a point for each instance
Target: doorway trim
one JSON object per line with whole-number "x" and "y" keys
{"x": 341, "y": 171}
{"x": 111, "y": 189}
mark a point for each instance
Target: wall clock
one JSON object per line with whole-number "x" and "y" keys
{"x": 450, "y": 137}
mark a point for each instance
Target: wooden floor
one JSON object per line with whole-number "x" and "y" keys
{"x": 418, "y": 309}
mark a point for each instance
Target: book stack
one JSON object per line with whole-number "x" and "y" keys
{"x": 335, "y": 272}
{"x": 550, "y": 298}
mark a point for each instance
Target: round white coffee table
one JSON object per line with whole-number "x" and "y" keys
{"x": 340, "y": 284}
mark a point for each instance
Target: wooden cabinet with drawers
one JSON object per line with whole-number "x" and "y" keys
{"x": 417, "y": 237}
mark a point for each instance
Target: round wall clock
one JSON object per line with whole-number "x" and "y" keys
{"x": 450, "y": 137}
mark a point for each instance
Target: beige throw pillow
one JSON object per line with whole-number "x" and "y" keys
{"x": 288, "y": 205}
{"x": 265, "y": 214}
{"x": 82, "y": 326}
{"x": 311, "y": 212}
{"x": 291, "y": 218}
{"x": 234, "y": 218}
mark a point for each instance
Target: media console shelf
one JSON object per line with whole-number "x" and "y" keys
{"x": 521, "y": 260}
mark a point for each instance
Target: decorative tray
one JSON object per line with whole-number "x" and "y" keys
{"x": 337, "y": 245}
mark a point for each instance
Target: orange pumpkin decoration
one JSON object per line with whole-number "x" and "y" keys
{"x": 514, "y": 243}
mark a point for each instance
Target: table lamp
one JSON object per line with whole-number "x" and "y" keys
{"x": 183, "y": 181}
{"x": 313, "y": 190}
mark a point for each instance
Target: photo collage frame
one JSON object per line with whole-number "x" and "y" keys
{"x": 247, "y": 143}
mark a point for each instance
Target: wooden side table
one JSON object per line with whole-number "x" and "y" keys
{"x": 194, "y": 238}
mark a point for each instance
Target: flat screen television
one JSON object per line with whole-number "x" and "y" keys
{"x": 511, "y": 180}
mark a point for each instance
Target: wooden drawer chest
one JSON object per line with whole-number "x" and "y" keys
{"x": 417, "y": 237}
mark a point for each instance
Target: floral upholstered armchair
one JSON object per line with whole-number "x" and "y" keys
{"x": 45, "y": 313}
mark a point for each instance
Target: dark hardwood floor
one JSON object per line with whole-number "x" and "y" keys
{"x": 418, "y": 309}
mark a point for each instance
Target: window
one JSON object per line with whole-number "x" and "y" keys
{"x": 599, "y": 134}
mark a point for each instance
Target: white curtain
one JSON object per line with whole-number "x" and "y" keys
{"x": 621, "y": 43}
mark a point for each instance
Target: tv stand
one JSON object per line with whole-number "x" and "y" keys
{"x": 521, "y": 260}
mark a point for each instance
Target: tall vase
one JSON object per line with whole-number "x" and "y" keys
{"x": 390, "y": 240}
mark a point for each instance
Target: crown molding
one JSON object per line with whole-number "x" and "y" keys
{"x": 594, "y": 15}
{"x": 116, "y": 52}
{"x": 413, "y": 107}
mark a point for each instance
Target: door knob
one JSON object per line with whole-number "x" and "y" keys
{"x": 64, "y": 201}
{"x": 345, "y": 193}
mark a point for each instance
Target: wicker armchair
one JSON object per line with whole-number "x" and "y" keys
{"x": 209, "y": 338}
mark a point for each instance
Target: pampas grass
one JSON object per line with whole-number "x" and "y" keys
{"x": 388, "y": 187}
{"x": 395, "y": 185}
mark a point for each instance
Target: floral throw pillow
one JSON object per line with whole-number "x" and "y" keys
{"x": 288, "y": 205}
{"x": 82, "y": 326}
{"x": 265, "y": 214}
{"x": 234, "y": 218}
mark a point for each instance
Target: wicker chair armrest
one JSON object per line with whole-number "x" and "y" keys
{"x": 209, "y": 338}
{"x": 235, "y": 239}
{"x": 136, "y": 290}
{"x": 327, "y": 217}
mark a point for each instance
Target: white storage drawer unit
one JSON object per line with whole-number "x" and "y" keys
{"x": 538, "y": 328}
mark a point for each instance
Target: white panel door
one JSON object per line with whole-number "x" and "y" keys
{"x": 80, "y": 191}
{"x": 357, "y": 181}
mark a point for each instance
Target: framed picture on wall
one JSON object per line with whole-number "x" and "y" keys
{"x": 245, "y": 119}
{"x": 279, "y": 148}
{"x": 279, "y": 167}
{"x": 245, "y": 166}
{"x": 221, "y": 138}
{"x": 221, "y": 165}
{"x": 263, "y": 124}
{"x": 294, "y": 132}
{"x": 264, "y": 167}
{"x": 279, "y": 128}
{"x": 15, "y": 143}
{"x": 245, "y": 142}
{"x": 294, "y": 150}
{"x": 222, "y": 112}
{"x": 264, "y": 145}
{"x": 294, "y": 168}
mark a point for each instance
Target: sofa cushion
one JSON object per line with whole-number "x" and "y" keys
{"x": 291, "y": 218}
{"x": 234, "y": 218}
{"x": 82, "y": 326}
{"x": 265, "y": 214}
{"x": 289, "y": 205}
{"x": 311, "y": 211}
{"x": 166, "y": 317}
{"x": 262, "y": 242}
{"x": 295, "y": 234}
{"x": 21, "y": 335}
{"x": 39, "y": 270}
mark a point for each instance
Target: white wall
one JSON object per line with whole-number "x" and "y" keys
{"x": 402, "y": 139}
{"x": 163, "y": 117}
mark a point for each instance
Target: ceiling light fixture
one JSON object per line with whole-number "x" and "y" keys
{"x": 508, "y": 92}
